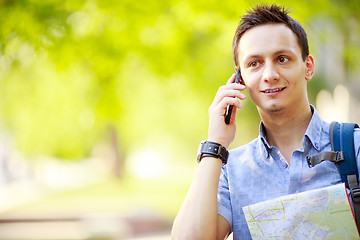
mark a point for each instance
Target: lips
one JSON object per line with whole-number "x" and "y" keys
{"x": 273, "y": 90}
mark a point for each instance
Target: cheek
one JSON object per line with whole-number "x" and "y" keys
{"x": 252, "y": 93}
{"x": 251, "y": 87}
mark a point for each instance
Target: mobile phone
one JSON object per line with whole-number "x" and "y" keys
{"x": 230, "y": 107}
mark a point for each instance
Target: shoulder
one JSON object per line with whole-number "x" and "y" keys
{"x": 238, "y": 155}
{"x": 244, "y": 161}
{"x": 254, "y": 144}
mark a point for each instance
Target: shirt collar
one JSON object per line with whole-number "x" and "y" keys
{"x": 264, "y": 145}
{"x": 314, "y": 129}
{"x": 312, "y": 133}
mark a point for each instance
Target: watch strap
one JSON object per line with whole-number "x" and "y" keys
{"x": 213, "y": 149}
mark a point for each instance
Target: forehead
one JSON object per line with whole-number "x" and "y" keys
{"x": 267, "y": 39}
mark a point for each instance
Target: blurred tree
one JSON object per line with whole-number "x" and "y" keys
{"x": 70, "y": 69}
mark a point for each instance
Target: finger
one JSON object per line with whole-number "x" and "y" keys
{"x": 231, "y": 79}
{"x": 220, "y": 108}
{"x": 228, "y": 93}
{"x": 235, "y": 102}
{"x": 232, "y": 86}
{"x": 233, "y": 114}
{"x": 235, "y": 94}
{"x": 224, "y": 90}
{"x": 235, "y": 86}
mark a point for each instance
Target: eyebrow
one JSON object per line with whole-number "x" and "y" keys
{"x": 281, "y": 51}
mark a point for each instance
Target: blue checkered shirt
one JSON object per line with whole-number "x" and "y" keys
{"x": 258, "y": 172}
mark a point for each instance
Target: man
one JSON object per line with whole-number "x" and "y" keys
{"x": 271, "y": 50}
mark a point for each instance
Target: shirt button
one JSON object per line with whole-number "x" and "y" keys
{"x": 285, "y": 166}
{"x": 316, "y": 145}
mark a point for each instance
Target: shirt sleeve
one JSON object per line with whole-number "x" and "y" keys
{"x": 224, "y": 203}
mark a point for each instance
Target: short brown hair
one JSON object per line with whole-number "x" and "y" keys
{"x": 269, "y": 14}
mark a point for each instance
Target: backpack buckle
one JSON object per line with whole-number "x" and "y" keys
{"x": 340, "y": 156}
{"x": 308, "y": 159}
{"x": 355, "y": 194}
{"x": 335, "y": 157}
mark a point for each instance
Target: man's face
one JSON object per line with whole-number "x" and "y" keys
{"x": 272, "y": 67}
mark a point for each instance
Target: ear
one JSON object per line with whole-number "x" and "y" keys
{"x": 309, "y": 67}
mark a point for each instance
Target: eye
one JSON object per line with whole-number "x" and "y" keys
{"x": 283, "y": 59}
{"x": 254, "y": 64}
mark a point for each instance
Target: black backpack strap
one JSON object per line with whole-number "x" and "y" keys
{"x": 342, "y": 140}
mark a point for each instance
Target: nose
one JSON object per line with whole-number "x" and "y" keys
{"x": 270, "y": 72}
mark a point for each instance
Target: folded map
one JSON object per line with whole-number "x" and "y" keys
{"x": 317, "y": 214}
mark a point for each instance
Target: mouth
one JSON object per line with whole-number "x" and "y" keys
{"x": 273, "y": 90}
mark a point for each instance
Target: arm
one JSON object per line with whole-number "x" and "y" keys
{"x": 198, "y": 218}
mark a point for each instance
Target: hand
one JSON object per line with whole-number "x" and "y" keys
{"x": 228, "y": 94}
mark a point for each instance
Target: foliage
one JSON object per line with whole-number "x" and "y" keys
{"x": 70, "y": 69}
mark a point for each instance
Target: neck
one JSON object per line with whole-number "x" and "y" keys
{"x": 286, "y": 129}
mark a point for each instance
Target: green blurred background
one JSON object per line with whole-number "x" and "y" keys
{"x": 103, "y": 103}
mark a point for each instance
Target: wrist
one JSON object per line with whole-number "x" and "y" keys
{"x": 212, "y": 149}
{"x": 222, "y": 142}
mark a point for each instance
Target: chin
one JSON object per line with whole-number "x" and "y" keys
{"x": 272, "y": 108}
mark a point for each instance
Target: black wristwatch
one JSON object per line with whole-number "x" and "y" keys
{"x": 212, "y": 149}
